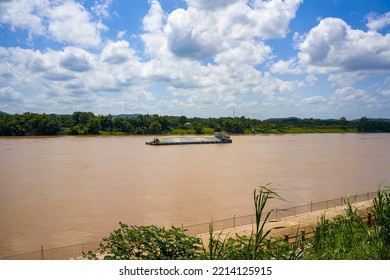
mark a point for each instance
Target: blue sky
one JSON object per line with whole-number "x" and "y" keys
{"x": 261, "y": 59}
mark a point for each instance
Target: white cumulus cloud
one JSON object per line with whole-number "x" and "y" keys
{"x": 333, "y": 46}
{"x": 71, "y": 23}
{"x": 375, "y": 22}
{"x": 207, "y": 28}
{"x": 26, "y": 15}
{"x": 64, "y": 21}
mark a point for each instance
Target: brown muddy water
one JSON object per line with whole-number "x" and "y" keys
{"x": 58, "y": 191}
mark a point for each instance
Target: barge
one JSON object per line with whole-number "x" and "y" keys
{"x": 218, "y": 138}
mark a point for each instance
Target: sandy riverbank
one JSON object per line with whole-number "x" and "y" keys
{"x": 295, "y": 224}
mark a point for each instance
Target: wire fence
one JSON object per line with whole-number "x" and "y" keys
{"x": 277, "y": 214}
{"x": 76, "y": 251}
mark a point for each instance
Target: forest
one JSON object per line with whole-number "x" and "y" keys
{"x": 87, "y": 123}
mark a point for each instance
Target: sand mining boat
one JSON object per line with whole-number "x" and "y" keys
{"x": 218, "y": 138}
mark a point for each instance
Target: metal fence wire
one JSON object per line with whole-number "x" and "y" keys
{"x": 76, "y": 251}
{"x": 277, "y": 213}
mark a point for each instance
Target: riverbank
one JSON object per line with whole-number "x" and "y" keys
{"x": 293, "y": 225}
{"x": 289, "y": 226}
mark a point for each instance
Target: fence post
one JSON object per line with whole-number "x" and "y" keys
{"x": 234, "y": 221}
{"x": 311, "y": 206}
{"x": 276, "y": 214}
{"x": 286, "y": 237}
{"x": 369, "y": 222}
{"x": 341, "y": 201}
{"x": 303, "y": 235}
{"x": 42, "y": 254}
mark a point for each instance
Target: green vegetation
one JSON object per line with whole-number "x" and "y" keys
{"x": 346, "y": 237}
{"x": 148, "y": 243}
{"x": 350, "y": 238}
{"x": 86, "y": 123}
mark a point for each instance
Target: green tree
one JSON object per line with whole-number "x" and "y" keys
{"x": 106, "y": 123}
{"x": 93, "y": 125}
{"x": 198, "y": 127}
{"x": 343, "y": 123}
{"x": 155, "y": 127}
{"x": 183, "y": 120}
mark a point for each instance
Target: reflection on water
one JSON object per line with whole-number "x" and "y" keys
{"x": 57, "y": 191}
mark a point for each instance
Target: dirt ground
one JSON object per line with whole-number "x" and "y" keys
{"x": 293, "y": 225}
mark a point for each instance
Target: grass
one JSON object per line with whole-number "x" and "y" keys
{"x": 180, "y": 131}
{"x": 300, "y": 130}
{"x": 191, "y": 131}
{"x": 318, "y": 130}
{"x": 208, "y": 130}
{"x": 103, "y": 132}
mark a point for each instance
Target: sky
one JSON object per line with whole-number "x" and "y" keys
{"x": 198, "y": 58}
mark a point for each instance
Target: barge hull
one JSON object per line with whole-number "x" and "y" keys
{"x": 185, "y": 143}
{"x": 218, "y": 138}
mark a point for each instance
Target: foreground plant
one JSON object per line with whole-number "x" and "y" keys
{"x": 256, "y": 245}
{"x": 147, "y": 243}
{"x": 215, "y": 248}
{"x": 349, "y": 237}
{"x": 381, "y": 211}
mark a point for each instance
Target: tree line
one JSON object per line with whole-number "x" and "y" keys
{"x": 87, "y": 123}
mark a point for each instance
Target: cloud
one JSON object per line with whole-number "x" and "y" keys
{"x": 58, "y": 76}
{"x": 350, "y": 93}
{"x": 121, "y": 34}
{"x": 10, "y": 99}
{"x": 333, "y": 47}
{"x": 153, "y": 20}
{"x": 64, "y": 21}
{"x": 318, "y": 99}
{"x": 211, "y": 5}
{"x": 273, "y": 17}
{"x": 353, "y": 97}
{"x": 375, "y": 22}
{"x": 154, "y": 37}
{"x": 385, "y": 90}
{"x": 208, "y": 28}
{"x": 27, "y": 15}
{"x": 8, "y": 94}
{"x": 286, "y": 67}
{"x": 245, "y": 53}
{"x": 205, "y": 59}
{"x": 75, "y": 59}
{"x": 117, "y": 52}
{"x": 101, "y": 8}
{"x": 311, "y": 80}
{"x": 71, "y": 23}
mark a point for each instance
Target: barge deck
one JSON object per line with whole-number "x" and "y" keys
{"x": 218, "y": 138}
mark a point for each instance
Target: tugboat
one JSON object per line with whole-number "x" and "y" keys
{"x": 218, "y": 138}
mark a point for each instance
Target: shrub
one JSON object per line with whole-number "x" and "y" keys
{"x": 148, "y": 243}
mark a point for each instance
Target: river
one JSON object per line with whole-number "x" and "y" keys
{"x": 58, "y": 191}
